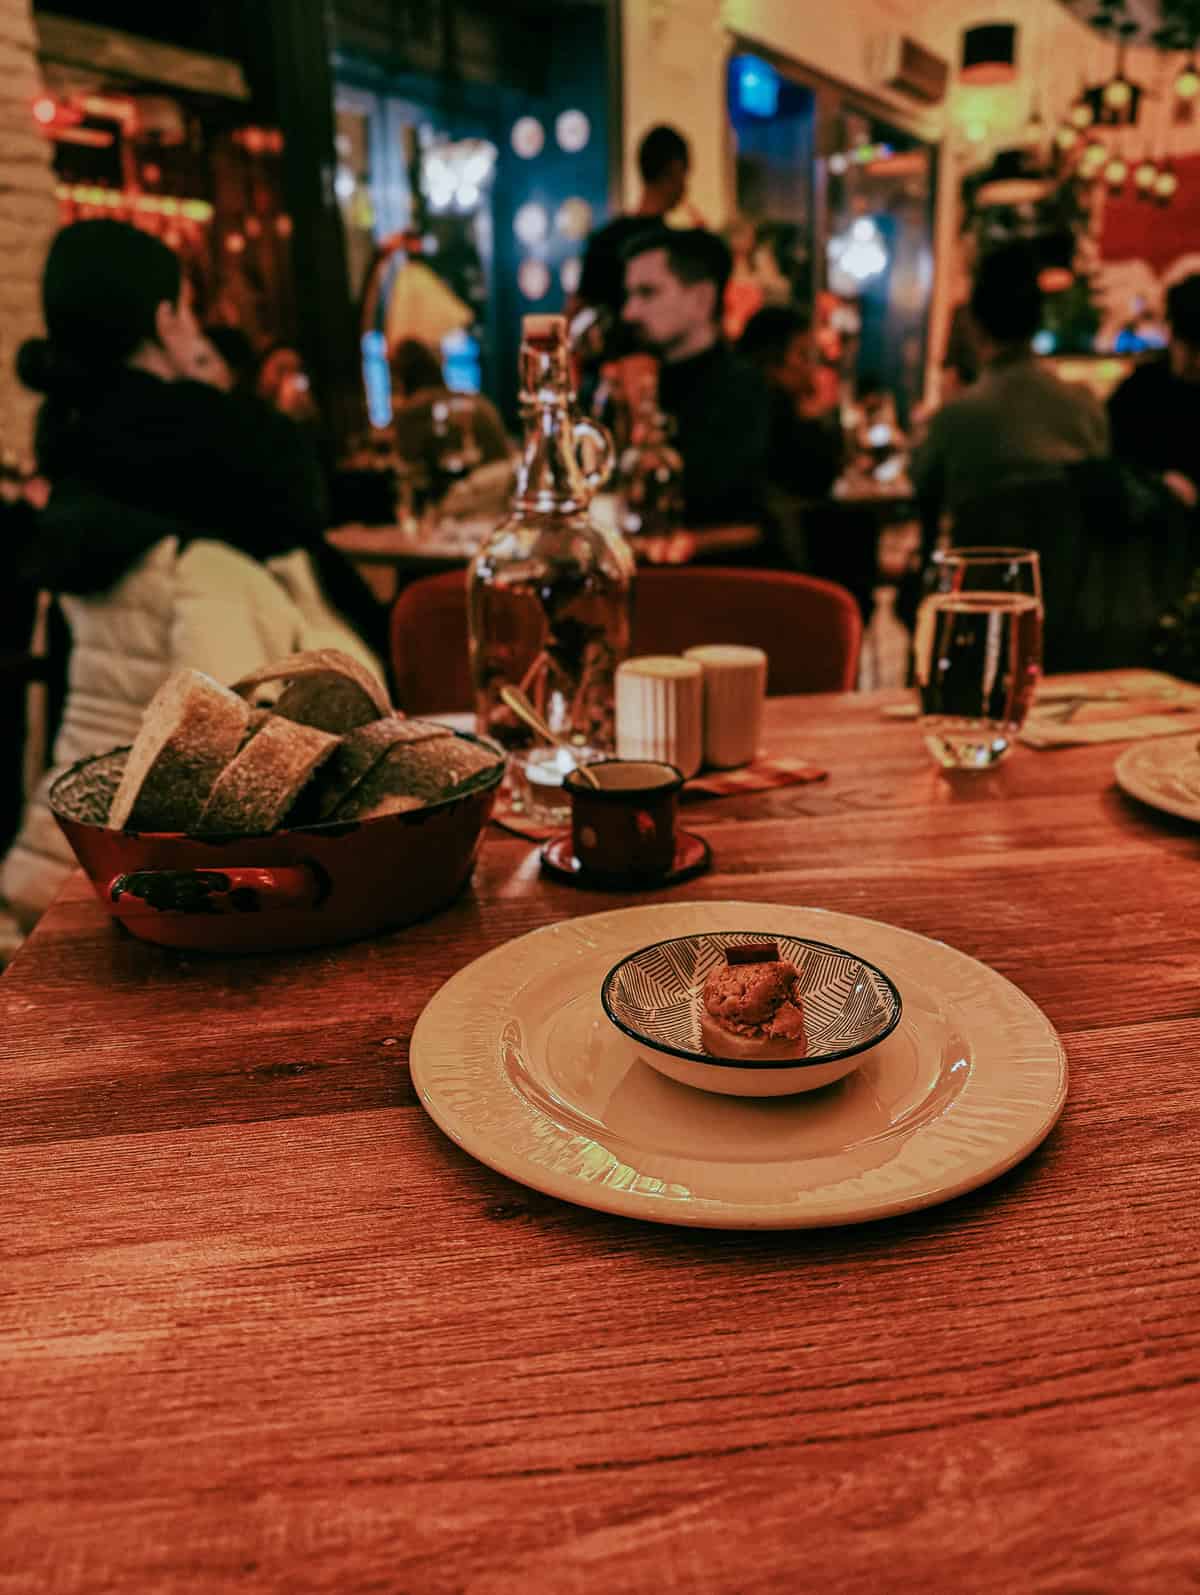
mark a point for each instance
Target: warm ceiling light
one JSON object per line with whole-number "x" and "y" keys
{"x": 1081, "y": 114}
{"x": 989, "y": 54}
{"x": 1187, "y": 84}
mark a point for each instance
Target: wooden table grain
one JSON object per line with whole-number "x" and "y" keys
{"x": 265, "y": 1329}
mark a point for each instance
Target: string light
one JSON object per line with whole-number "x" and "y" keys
{"x": 1067, "y": 137}
{"x": 1081, "y": 114}
{"x": 1094, "y": 158}
{"x": 1165, "y": 185}
{"x": 1145, "y": 174}
{"x": 1187, "y": 84}
{"x": 192, "y": 210}
{"x": 1116, "y": 171}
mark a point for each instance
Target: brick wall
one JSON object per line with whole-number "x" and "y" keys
{"x": 28, "y": 214}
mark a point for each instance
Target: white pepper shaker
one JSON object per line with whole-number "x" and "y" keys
{"x": 735, "y": 684}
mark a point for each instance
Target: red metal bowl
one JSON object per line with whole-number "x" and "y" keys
{"x": 306, "y": 887}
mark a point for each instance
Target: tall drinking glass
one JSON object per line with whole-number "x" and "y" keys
{"x": 978, "y": 653}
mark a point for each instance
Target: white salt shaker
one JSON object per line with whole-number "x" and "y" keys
{"x": 660, "y": 711}
{"x": 735, "y": 684}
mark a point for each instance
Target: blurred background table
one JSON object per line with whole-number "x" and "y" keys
{"x": 389, "y": 557}
{"x": 268, "y": 1329}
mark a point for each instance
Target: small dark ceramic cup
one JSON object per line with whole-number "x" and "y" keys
{"x": 624, "y": 829}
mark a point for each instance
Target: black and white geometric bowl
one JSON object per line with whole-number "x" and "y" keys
{"x": 654, "y": 997}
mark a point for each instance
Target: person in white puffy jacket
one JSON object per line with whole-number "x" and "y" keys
{"x": 184, "y": 525}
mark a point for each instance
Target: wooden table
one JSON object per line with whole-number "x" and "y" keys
{"x": 265, "y": 1329}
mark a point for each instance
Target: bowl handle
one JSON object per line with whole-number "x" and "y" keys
{"x": 242, "y": 889}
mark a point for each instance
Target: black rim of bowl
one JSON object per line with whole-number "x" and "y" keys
{"x": 753, "y": 1063}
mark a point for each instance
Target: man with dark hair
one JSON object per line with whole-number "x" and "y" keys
{"x": 663, "y": 162}
{"x": 1018, "y": 422}
{"x": 674, "y": 293}
{"x": 1155, "y": 413}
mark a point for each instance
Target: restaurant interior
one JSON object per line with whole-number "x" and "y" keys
{"x": 549, "y": 1038}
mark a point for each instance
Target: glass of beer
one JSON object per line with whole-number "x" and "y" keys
{"x": 978, "y": 653}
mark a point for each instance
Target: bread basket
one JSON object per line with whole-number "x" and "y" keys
{"x": 307, "y": 886}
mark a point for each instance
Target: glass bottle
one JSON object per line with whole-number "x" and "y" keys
{"x": 650, "y": 470}
{"x": 549, "y": 591}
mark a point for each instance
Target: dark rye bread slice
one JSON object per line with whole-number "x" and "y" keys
{"x": 261, "y": 783}
{"x": 191, "y": 729}
{"x": 424, "y": 771}
{"x": 324, "y": 688}
{"x": 361, "y": 750}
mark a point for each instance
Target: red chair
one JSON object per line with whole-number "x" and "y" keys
{"x": 811, "y": 630}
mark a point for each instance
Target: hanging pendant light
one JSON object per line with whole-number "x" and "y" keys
{"x": 1081, "y": 115}
{"x": 989, "y": 54}
{"x": 1187, "y": 84}
{"x": 1094, "y": 158}
{"x": 1165, "y": 185}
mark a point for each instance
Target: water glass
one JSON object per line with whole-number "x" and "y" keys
{"x": 978, "y": 653}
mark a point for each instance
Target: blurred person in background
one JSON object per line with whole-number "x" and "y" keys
{"x": 675, "y": 283}
{"x": 184, "y": 525}
{"x": 1018, "y": 421}
{"x": 421, "y": 402}
{"x": 804, "y": 451}
{"x": 664, "y": 163}
{"x": 1155, "y": 413}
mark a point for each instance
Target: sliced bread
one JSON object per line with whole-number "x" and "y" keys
{"x": 426, "y": 771}
{"x": 261, "y": 783}
{"x": 323, "y": 688}
{"x": 192, "y": 727}
{"x": 360, "y": 751}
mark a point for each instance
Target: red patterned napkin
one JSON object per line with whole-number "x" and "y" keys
{"x": 764, "y": 775}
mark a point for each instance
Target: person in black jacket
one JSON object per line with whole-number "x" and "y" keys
{"x": 1155, "y": 413}
{"x": 675, "y": 292}
{"x": 136, "y": 449}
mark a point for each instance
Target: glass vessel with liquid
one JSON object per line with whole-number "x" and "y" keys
{"x": 650, "y": 470}
{"x": 978, "y": 653}
{"x": 548, "y": 591}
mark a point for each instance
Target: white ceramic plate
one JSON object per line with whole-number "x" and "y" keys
{"x": 1165, "y": 773}
{"x": 515, "y": 1060}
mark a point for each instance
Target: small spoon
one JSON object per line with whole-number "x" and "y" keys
{"x": 524, "y": 710}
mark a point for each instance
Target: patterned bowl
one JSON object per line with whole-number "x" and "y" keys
{"x": 653, "y": 996}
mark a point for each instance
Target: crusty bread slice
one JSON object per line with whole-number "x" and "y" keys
{"x": 192, "y": 727}
{"x": 324, "y": 688}
{"x": 426, "y": 771}
{"x": 257, "y": 788}
{"x": 361, "y": 750}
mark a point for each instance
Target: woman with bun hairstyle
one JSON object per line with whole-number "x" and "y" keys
{"x": 184, "y": 525}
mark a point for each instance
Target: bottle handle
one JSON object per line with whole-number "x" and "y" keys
{"x": 587, "y": 430}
